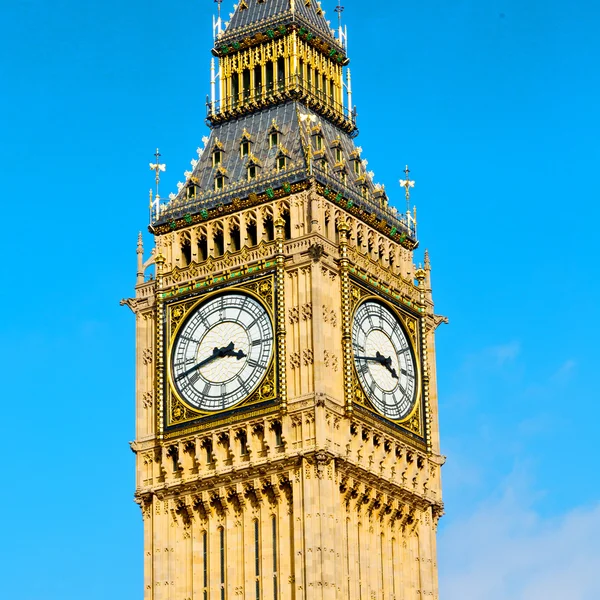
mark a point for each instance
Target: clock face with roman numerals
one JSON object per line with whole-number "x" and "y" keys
{"x": 384, "y": 360}
{"x": 221, "y": 352}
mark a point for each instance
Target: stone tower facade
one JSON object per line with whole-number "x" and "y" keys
{"x": 273, "y": 460}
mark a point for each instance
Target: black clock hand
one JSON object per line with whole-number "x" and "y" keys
{"x": 378, "y": 358}
{"x": 217, "y": 353}
{"x": 392, "y": 371}
{"x": 387, "y": 363}
{"x": 383, "y": 361}
{"x": 239, "y": 354}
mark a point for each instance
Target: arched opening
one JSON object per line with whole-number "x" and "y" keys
{"x": 251, "y": 233}
{"x": 257, "y": 80}
{"x": 218, "y": 243}
{"x": 281, "y": 72}
{"x": 269, "y": 229}
{"x": 235, "y": 88}
{"x": 269, "y": 76}
{"x": 202, "y": 248}
{"x": 234, "y": 236}
{"x": 246, "y": 83}
{"x": 287, "y": 226}
{"x": 186, "y": 252}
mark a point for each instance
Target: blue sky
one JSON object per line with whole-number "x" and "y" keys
{"x": 494, "y": 105}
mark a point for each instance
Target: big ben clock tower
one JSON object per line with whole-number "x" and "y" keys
{"x": 287, "y": 440}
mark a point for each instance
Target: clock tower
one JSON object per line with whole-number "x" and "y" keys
{"x": 287, "y": 442}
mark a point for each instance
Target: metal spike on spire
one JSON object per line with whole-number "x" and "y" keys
{"x": 339, "y": 9}
{"x": 217, "y": 27}
{"x": 157, "y": 168}
{"x": 407, "y": 184}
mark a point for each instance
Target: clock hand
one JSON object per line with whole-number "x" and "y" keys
{"x": 239, "y": 354}
{"x": 383, "y": 361}
{"x": 217, "y": 353}
{"x": 387, "y": 363}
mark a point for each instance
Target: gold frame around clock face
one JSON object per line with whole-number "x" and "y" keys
{"x": 175, "y": 412}
{"x": 384, "y": 359}
{"x": 413, "y": 423}
{"x": 221, "y": 351}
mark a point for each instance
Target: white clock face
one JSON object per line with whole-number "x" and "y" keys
{"x": 222, "y": 352}
{"x": 384, "y": 360}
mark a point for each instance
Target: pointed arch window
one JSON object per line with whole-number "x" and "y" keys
{"x": 245, "y": 148}
{"x": 222, "y": 560}
{"x": 205, "y": 565}
{"x": 256, "y": 559}
{"x": 219, "y": 182}
{"x": 275, "y": 565}
{"x": 274, "y": 138}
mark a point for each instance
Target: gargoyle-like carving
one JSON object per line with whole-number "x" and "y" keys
{"x": 316, "y": 251}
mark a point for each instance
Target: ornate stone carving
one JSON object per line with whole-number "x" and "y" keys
{"x": 147, "y": 356}
{"x": 293, "y": 315}
{"x": 307, "y": 357}
{"x": 148, "y": 399}
{"x": 294, "y": 360}
{"x": 307, "y": 311}
{"x": 330, "y": 360}
{"x": 329, "y": 316}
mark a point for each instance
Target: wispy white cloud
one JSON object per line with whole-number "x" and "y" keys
{"x": 504, "y": 353}
{"x": 505, "y": 549}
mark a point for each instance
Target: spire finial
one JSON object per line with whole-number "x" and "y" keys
{"x": 157, "y": 168}
{"x": 339, "y": 9}
{"x": 407, "y": 184}
{"x": 217, "y": 29}
{"x": 427, "y": 261}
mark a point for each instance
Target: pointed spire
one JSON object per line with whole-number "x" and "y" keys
{"x": 427, "y": 261}
{"x": 140, "y": 259}
{"x": 407, "y": 184}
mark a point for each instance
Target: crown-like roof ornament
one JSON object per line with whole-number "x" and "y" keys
{"x": 249, "y": 15}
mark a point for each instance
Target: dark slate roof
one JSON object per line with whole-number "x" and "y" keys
{"x": 294, "y": 134}
{"x": 275, "y": 11}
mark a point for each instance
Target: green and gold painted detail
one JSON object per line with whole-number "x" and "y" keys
{"x": 359, "y": 210}
{"x": 175, "y": 413}
{"x": 274, "y": 32}
{"x": 381, "y": 288}
{"x": 205, "y": 213}
{"x": 209, "y": 282}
